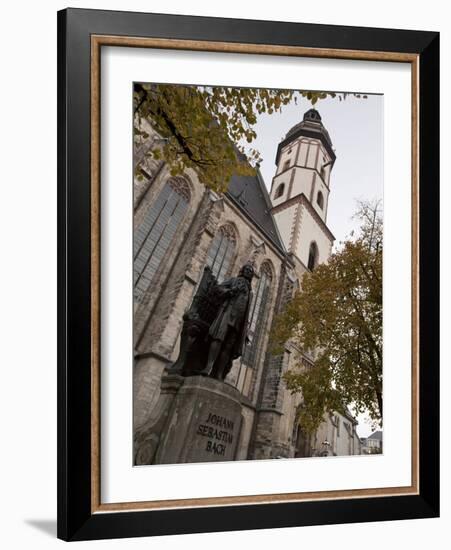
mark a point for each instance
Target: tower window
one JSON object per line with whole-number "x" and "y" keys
{"x": 280, "y": 191}
{"x": 221, "y": 251}
{"x": 320, "y": 200}
{"x": 286, "y": 165}
{"x": 155, "y": 234}
{"x": 313, "y": 256}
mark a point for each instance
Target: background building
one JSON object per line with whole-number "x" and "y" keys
{"x": 372, "y": 444}
{"x": 336, "y": 436}
{"x": 181, "y": 226}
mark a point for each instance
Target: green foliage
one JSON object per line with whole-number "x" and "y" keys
{"x": 338, "y": 314}
{"x": 209, "y": 129}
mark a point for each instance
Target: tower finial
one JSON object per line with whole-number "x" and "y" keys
{"x": 312, "y": 115}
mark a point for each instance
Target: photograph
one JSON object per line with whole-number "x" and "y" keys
{"x": 257, "y": 273}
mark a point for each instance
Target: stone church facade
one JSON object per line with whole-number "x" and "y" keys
{"x": 180, "y": 227}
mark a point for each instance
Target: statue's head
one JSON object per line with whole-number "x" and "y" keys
{"x": 247, "y": 271}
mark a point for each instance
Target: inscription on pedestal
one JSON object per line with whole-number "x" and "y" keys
{"x": 204, "y": 424}
{"x": 219, "y": 433}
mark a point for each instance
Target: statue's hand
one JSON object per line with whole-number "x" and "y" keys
{"x": 230, "y": 292}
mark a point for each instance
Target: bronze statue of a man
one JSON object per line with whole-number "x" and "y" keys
{"x": 228, "y": 333}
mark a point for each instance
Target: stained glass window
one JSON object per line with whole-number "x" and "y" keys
{"x": 155, "y": 234}
{"x": 221, "y": 251}
{"x": 257, "y": 316}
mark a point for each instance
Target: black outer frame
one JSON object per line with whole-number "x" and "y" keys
{"x": 75, "y": 520}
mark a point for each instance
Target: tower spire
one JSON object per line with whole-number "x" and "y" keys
{"x": 301, "y": 186}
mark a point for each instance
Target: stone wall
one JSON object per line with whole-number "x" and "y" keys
{"x": 271, "y": 421}
{"x": 158, "y": 317}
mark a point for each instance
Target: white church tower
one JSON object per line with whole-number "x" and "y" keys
{"x": 300, "y": 190}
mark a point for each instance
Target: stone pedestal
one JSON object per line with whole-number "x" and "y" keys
{"x": 204, "y": 424}
{"x": 147, "y": 437}
{"x": 197, "y": 419}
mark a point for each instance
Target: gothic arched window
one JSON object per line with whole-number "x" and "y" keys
{"x": 320, "y": 200}
{"x": 280, "y": 191}
{"x": 313, "y": 256}
{"x": 155, "y": 234}
{"x": 221, "y": 251}
{"x": 257, "y": 317}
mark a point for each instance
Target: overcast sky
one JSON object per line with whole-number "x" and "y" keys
{"x": 356, "y": 130}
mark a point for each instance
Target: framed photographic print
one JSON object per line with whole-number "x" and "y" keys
{"x": 248, "y": 274}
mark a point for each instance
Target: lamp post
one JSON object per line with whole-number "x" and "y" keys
{"x": 325, "y": 444}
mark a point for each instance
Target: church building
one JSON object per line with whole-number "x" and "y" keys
{"x": 180, "y": 226}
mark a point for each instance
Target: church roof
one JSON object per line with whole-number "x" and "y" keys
{"x": 249, "y": 193}
{"x": 311, "y": 120}
{"x": 377, "y": 435}
{"x": 310, "y": 126}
